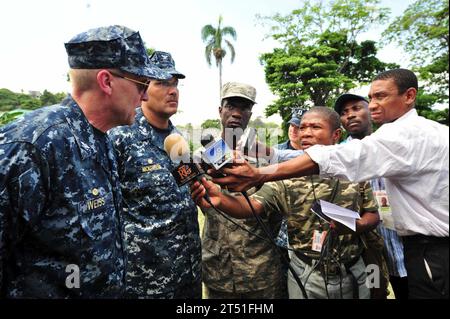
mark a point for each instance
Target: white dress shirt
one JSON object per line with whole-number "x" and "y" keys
{"x": 412, "y": 154}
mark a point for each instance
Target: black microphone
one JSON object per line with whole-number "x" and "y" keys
{"x": 187, "y": 170}
{"x": 206, "y": 139}
{"x": 178, "y": 150}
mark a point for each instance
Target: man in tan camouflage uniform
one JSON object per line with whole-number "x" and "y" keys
{"x": 237, "y": 264}
{"x": 333, "y": 269}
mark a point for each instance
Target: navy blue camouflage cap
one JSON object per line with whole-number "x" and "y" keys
{"x": 115, "y": 47}
{"x": 294, "y": 121}
{"x": 164, "y": 61}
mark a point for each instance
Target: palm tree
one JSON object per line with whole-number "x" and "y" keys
{"x": 213, "y": 38}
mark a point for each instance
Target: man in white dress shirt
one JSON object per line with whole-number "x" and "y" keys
{"x": 411, "y": 152}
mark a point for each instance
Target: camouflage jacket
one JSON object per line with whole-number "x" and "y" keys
{"x": 235, "y": 258}
{"x": 295, "y": 198}
{"x": 161, "y": 227}
{"x": 59, "y": 204}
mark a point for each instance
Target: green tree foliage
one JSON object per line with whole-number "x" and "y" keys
{"x": 425, "y": 103}
{"x": 10, "y": 100}
{"x": 215, "y": 123}
{"x": 10, "y": 116}
{"x": 321, "y": 57}
{"x": 266, "y": 130}
{"x": 215, "y": 39}
{"x": 259, "y": 123}
{"x": 422, "y": 30}
{"x": 306, "y": 24}
{"x": 48, "y": 98}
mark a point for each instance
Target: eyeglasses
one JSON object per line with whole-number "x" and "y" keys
{"x": 142, "y": 86}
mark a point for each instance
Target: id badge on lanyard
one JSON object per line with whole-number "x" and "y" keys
{"x": 318, "y": 239}
{"x": 384, "y": 208}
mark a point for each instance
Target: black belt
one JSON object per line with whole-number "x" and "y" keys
{"x": 423, "y": 240}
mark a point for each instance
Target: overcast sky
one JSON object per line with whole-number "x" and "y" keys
{"x": 32, "y": 55}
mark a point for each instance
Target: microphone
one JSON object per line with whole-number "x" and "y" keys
{"x": 207, "y": 139}
{"x": 176, "y": 146}
{"x": 187, "y": 171}
{"x": 217, "y": 154}
{"x": 178, "y": 150}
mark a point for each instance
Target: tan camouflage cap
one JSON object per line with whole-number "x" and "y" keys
{"x": 235, "y": 89}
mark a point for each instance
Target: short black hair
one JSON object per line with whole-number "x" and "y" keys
{"x": 329, "y": 114}
{"x": 403, "y": 78}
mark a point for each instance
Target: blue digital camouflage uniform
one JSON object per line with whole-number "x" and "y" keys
{"x": 59, "y": 204}
{"x": 161, "y": 228}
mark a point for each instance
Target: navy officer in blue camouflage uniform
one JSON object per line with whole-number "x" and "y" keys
{"x": 60, "y": 229}
{"x": 161, "y": 228}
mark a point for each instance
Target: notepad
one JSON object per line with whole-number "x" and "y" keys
{"x": 342, "y": 215}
